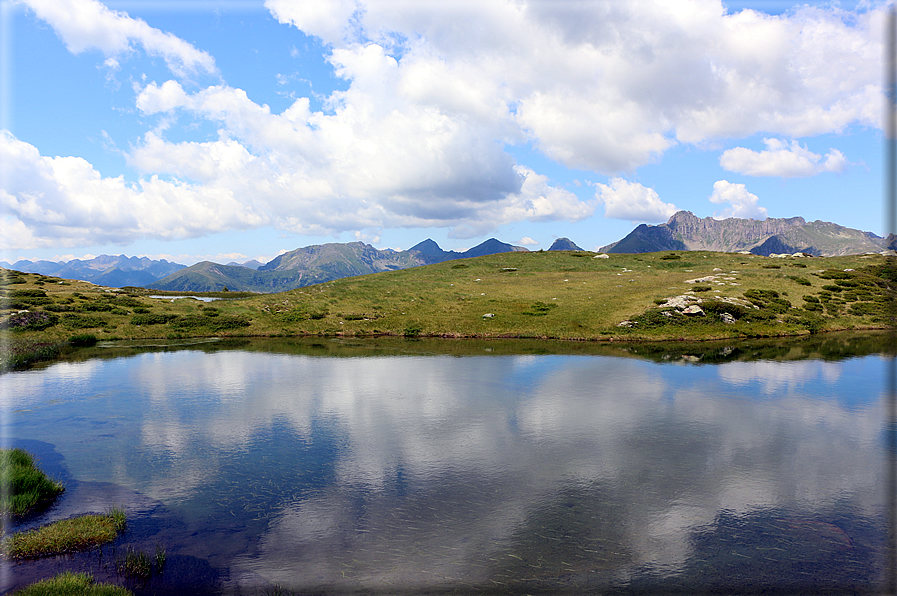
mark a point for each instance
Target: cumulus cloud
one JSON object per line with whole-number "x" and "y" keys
{"x": 783, "y": 160}
{"x": 435, "y": 93}
{"x": 61, "y": 201}
{"x": 632, "y": 201}
{"x": 742, "y": 203}
{"x": 89, "y": 24}
{"x": 607, "y": 85}
{"x": 527, "y": 241}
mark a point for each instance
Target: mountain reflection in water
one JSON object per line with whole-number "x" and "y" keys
{"x": 386, "y": 466}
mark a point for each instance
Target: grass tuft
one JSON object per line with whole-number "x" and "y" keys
{"x": 26, "y": 488}
{"x": 72, "y": 584}
{"x": 66, "y": 536}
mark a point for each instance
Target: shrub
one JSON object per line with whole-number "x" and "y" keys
{"x": 220, "y": 323}
{"x": 801, "y": 280}
{"x": 140, "y": 310}
{"x": 771, "y": 266}
{"x": 718, "y": 307}
{"x": 540, "y": 309}
{"x": 152, "y": 319}
{"x": 96, "y": 307}
{"x": 670, "y": 257}
{"x": 70, "y": 321}
{"x": 413, "y": 330}
{"x": 834, "y": 274}
{"x": 83, "y": 340}
{"x": 60, "y": 308}
{"x": 701, "y": 288}
{"x": 30, "y": 321}
{"x": 864, "y": 309}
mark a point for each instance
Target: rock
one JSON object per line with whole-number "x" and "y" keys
{"x": 694, "y": 310}
{"x": 727, "y": 318}
{"x": 601, "y": 257}
{"x": 681, "y": 302}
{"x": 489, "y": 315}
{"x": 625, "y": 324}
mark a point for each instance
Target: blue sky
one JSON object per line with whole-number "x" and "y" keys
{"x": 237, "y": 129}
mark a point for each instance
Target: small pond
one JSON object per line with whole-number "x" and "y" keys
{"x": 393, "y": 466}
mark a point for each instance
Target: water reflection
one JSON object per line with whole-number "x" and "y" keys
{"x": 508, "y": 472}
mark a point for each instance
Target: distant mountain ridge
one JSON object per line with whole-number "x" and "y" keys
{"x": 317, "y": 264}
{"x": 104, "y": 270}
{"x": 685, "y": 231}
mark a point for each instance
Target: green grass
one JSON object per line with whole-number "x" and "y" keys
{"x": 66, "y": 536}
{"x": 551, "y": 294}
{"x": 72, "y": 584}
{"x": 26, "y": 488}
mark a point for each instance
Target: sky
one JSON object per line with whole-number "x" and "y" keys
{"x": 229, "y": 130}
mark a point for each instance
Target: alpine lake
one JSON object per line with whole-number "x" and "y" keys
{"x": 405, "y": 466}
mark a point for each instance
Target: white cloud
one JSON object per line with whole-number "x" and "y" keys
{"x": 632, "y": 201}
{"x": 64, "y": 201}
{"x": 88, "y": 24}
{"x": 608, "y": 85}
{"x": 527, "y": 241}
{"x": 436, "y": 91}
{"x": 783, "y": 160}
{"x": 741, "y": 203}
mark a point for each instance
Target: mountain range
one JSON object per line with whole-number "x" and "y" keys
{"x": 324, "y": 262}
{"x": 104, "y": 270}
{"x": 685, "y": 231}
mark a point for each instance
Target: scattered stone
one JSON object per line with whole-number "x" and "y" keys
{"x": 694, "y": 310}
{"x": 601, "y": 257}
{"x": 489, "y": 315}
{"x": 717, "y": 269}
{"x": 727, "y": 318}
{"x": 625, "y": 324}
{"x": 701, "y": 279}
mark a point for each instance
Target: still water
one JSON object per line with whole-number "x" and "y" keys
{"x": 403, "y": 467}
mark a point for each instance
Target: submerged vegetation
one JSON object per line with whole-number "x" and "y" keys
{"x": 554, "y": 294}
{"x": 26, "y": 488}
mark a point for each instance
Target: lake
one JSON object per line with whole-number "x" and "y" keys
{"x": 399, "y": 466}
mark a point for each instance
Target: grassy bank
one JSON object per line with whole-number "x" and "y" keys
{"x": 561, "y": 295}
{"x": 26, "y": 488}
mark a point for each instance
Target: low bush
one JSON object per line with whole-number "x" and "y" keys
{"x": 72, "y": 321}
{"x": 96, "y": 307}
{"x": 60, "y": 308}
{"x": 801, "y": 280}
{"x": 83, "y": 340}
{"x": 540, "y": 309}
{"x": 219, "y": 323}
{"x": 37, "y": 320}
{"x": 152, "y": 319}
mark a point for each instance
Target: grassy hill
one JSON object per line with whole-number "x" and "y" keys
{"x": 557, "y": 294}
